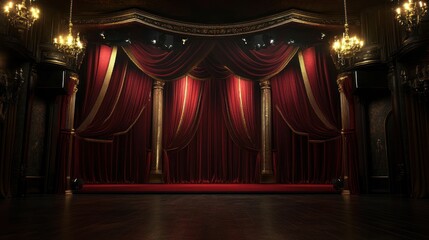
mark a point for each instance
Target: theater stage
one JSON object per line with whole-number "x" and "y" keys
{"x": 207, "y": 188}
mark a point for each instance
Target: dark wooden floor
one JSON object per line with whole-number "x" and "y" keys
{"x": 213, "y": 216}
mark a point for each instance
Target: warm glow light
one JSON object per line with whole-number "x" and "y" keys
{"x": 346, "y": 47}
{"x": 19, "y": 14}
{"x": 411, "y": 13}
{"x": 68, "y": 44}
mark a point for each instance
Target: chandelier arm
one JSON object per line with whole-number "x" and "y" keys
{"x": 70, "y": 17}
{"x": 345, "y": 13}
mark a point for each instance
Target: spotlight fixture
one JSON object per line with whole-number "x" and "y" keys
{"x": 167, "y": 41}
{"x": 259, "y": 41}
{"x": 20, "y": 15}
{"x": 348, "y": 46}
{"x": 410, "y": 14}
{"x": 70, "y": 45}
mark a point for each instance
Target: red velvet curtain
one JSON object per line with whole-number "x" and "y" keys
{"x": 168, "y": 65}
{"x": 212, "y": 156}
{"x": 112, "y": 139}
{"x": 96, "y": 63}
{"x": 211, "y": 128}
{"x": 254, "y": 64}
{"x": 241, "y": 112}
{"x": 306, "y": 132}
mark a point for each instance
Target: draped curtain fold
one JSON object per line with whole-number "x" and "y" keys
{"x": 254, "y": 64}
{"x": 97, "y": 64}
{"x": 307, "y": 137}
{"x": 168, "y": 65}
{"x": 121, "y": 107}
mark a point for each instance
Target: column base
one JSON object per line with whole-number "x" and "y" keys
{"x": 156, "y": 177}
{"x": 345, "y": 192}
{"x": 267, "y": 178}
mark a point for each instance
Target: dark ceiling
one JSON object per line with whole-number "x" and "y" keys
{"x": 215, "y": 11}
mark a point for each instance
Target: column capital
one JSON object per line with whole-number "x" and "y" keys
{"x": 74, "y": 77}
{"x": 158, "y": 84}
{"x": 265, "y": 84}
{"x": 341, "y": 78}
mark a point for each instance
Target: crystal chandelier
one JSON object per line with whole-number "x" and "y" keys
{"x": 346, "y": 47}
{"x": 411, "y": 13}
{"x": 68, "y": 44}
{"x": 20, "y": 15}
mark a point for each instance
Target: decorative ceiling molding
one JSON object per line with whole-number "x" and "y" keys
{"x": 216, "y": 30}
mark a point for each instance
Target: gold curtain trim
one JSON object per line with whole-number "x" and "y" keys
{"x": 106, "y": 82}
{"x": 119, "y": 94}
{"x": 196, "y": 119}
{"x": 303, "y": 133}
{"x": 183, "y": 107}
{"x": 243, "y": 117}
{"x": 310, "y": 95}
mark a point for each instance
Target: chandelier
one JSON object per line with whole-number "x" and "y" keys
{"x": 347, "y": 46}
{"x": 411, "y": 13}
{"x": 68, "y": 44}
{"x": 20, "y": 15}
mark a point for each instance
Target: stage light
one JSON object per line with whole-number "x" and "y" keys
{"x": 338, "y": 184}
{"x": 77, "y": 184}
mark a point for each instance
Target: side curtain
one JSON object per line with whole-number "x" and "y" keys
{"x": 306, "y": 121}
{"x": 112, "y": 138}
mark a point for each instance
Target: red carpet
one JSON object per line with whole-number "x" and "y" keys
{"x": 207, "y": 188}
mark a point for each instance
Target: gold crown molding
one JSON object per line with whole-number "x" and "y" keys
{"x": 219, "y": 30}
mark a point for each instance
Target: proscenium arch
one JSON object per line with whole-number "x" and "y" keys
{"x": 137, "y": 16}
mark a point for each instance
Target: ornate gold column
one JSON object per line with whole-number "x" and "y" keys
{"x": 69, "y": 129}
{"x": 156, "y": 175}
{"x": 345, "y": 129}
{"x": 267, "y": 173}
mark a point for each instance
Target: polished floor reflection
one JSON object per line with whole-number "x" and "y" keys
{"x": 214, "y": 216}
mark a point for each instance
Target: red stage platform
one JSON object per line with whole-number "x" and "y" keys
{"x": 207, "y": 188}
